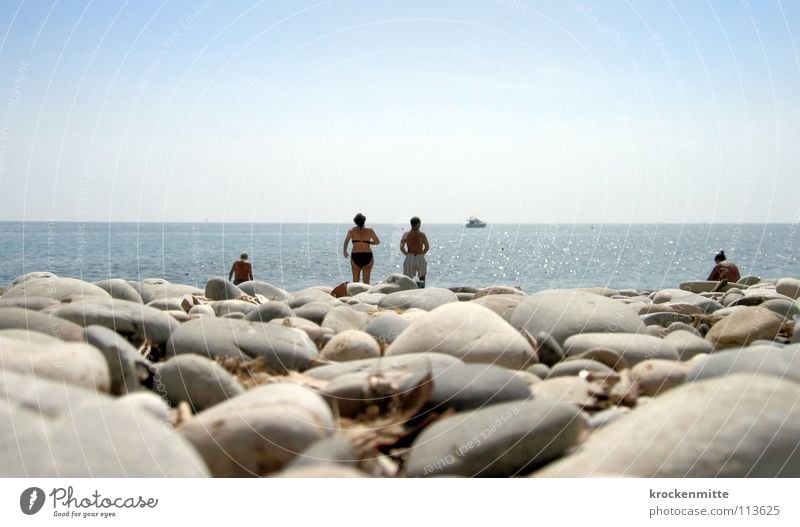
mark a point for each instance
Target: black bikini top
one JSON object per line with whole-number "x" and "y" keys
{"x": 361, "y": 241}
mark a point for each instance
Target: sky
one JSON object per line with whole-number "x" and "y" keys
{"x": 515, "y": 111}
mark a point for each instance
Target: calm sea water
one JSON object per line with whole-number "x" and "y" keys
{"x": 294, "y": 256}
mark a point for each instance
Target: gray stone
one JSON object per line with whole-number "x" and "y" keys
{"x": 167, "y": 304}
{"x": 428, "y": 362}
{"x": 607, "y": 416}
{"x": 610, "y": 358}
{"x": 154, "y": 288}
{"x": 120, "y": 289}
{"x": 35, "y": 275}
{"x": 32, "y": 303}
{"x": 786, "y": 309}
{"x": 322, "y": 470}
{"x": 386, "y": 327}
{"x": 474, "y": 386}
{"x": 97, "y": 440}
{"x": 672, "y": 296}
{"x": 789, "y": 287}
{"x": 45, "y": 396}
{"x": 320, "y": 336}
{"x": 680, "y": 326}
{"x": 748, "y": 280}
{"x": 197, "y": 380}
{"x": 468, "y": 331}
{"x": 326, "y": 451}
{"x": 498, "y": 290}
{"x": 656, "y": 376}
{"x": 71, "y": 362}
{"x": 269, "y": 311}
{"x": 226, "y": 307}
{"x": 394, "y": 283}
{"x": 57, "y": 288}
{"x": 548, "y": 350}
{"x": 313, "y": 311}
{"x": 464, "y": 297}
{"x": 135, "y": 322}
{"x": 705, "y": 286}
{"x": 426, "y": 299}
{"x": 350, "y": 345}
{"x": 370, "y": 392}
{"x": 503, "y": 305}
{"x": 218, "y": 288}
{"x": 310, "y": 294}
{"x": 665, "y": 319}
{"x": 202, "y": 310}
{"x": 260, "y": 431}
{"x": 766, "y": 360}
{"x": 355, "y": 288}
{"x": 574, "y": 367}
{"x": 631, "y": 347}
{"x": 540, "y": 370}
{"x": 127, "y": 367}
{"x": 342, "y": 318}
{"x": 503, "y": 439}
{"x": 563, "y": 313}
{"x": 744, "y": 326}
{"x": 46, "y": 323}
{"x": 146, "y": 402}
{"x": 373, "y": 299}
{"x": 283, "y": 348}
{"x": 269, "y": 291}
{"x": 601, "y": 290}
{"x": 688, "y": 344}
{"x": 710, "y": 429}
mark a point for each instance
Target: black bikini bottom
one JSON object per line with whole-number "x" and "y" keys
{"x": 361, "y": 259}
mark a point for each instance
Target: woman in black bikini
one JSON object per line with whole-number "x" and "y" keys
{"x": 362, "y": 237}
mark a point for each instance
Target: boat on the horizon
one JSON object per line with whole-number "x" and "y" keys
{"x": 474, "y": 223}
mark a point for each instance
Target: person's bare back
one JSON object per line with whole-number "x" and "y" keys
{"x": 414, "y": 242}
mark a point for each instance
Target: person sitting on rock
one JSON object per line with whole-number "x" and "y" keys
{"x": 241, "y": 270}
{"x": 414, "y": 244}
{"x": 724, "y": 270}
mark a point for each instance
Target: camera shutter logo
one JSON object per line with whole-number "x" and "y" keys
{"x": 31, "y": 500}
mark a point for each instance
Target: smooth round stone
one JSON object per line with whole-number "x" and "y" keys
{"x": 475, "y": 386}
{"x": 731, "y": 296}
{"x": 426, "y": 299}
{"x": 503, "y": 305}
{"x": 498, "y": 290}
{"x": 48, "y": 324}
{"x": 748, "y": 280}
{"x": 330, "y": 450}
{"x": 269, "y": 311}
{"x": 563, "y": 313}
{"x": 35, "y": 275}
{"x": 680, "y": 326}
{"x": 765, "y": 360}
{"x": 657, "y": 376}
{"x": 57, "y": 288}
{"x": 606, "y": 417}
{"x": 100, "y": 440}
{"x": 610, "y": 358}
{"x": 709, "y": 429}
{"x": 503, "y": 439}
{"x": 643, "y": 308}
{"x": 386, "y": 327}
{"x": 202, "y": 310}
{"x": 320, "y": 336}
{"x": 135, "y": 322}
{"x": 464, "y": 297}
{"x": 631, "y": 347}
{"x": 688, "y": 344}
{"x": 372, "y": 299}
{"x": 786, "y": 309}
{"x": 540, "y": 370}
{"x": 218, "y": 288}
{"x": 665, "y": 319}
{"x": 789, "y": 287}
{"x": 226, "y": 307}
{"x": 463, "y": 289}
{"x": 758, "y": 297}
{"x": 364, "y": 308}
{"x": 260, "y": 431}
{"x": 167, "y": 304}
{"x": 195, "y": 379}
{"x": 269, "y": 291}
{"x": 146, "y": 402}
{"x": 283, "y": 348}
{"x": 45, "y": 396}
{"x": 30, "y": 303}
{"x": 548, "y": 350}
{"x": 154, "y": 288}
{"x": 309, "y": 294}
{"x": 126, "y": 365}
{"x": 686, "y": 308}
{"x": 414, "y": 314}
{"x": 369, "y": 392}
{"x": 467, "y": 331}
{"x": 322, "y": 470}
{"x": 704, "y": 286}
{"x": 744, "y": 326}
{"x": 393, "y": 283}
{"x": 350, "y": 345}
{"x": 602, "y": 291}
{"x": 343, "y": 318}
{"x": 574, "y": 367}
{"x": 313, "y": 311}
{"x": 120, "y": 289}
{"x": 428, "y": 362}
{"x": 71, "y": 362}
{"x": 527, "y": 377}
{"x": 571, "y": 390}
{"x": 34, "y": 337}
{"x": 674, "y": 296}
{"x": 725, "y": 311}
{"x": 355, "y": 288}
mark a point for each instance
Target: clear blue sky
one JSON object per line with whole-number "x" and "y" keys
{"x": 291, "y": 111}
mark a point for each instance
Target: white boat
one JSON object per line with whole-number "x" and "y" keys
{"x": 474, "y": 223}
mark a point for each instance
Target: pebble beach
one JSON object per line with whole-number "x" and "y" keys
{"x": 151, "y": 378}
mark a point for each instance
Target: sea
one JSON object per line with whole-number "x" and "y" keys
{"x": 294, "y": 256}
